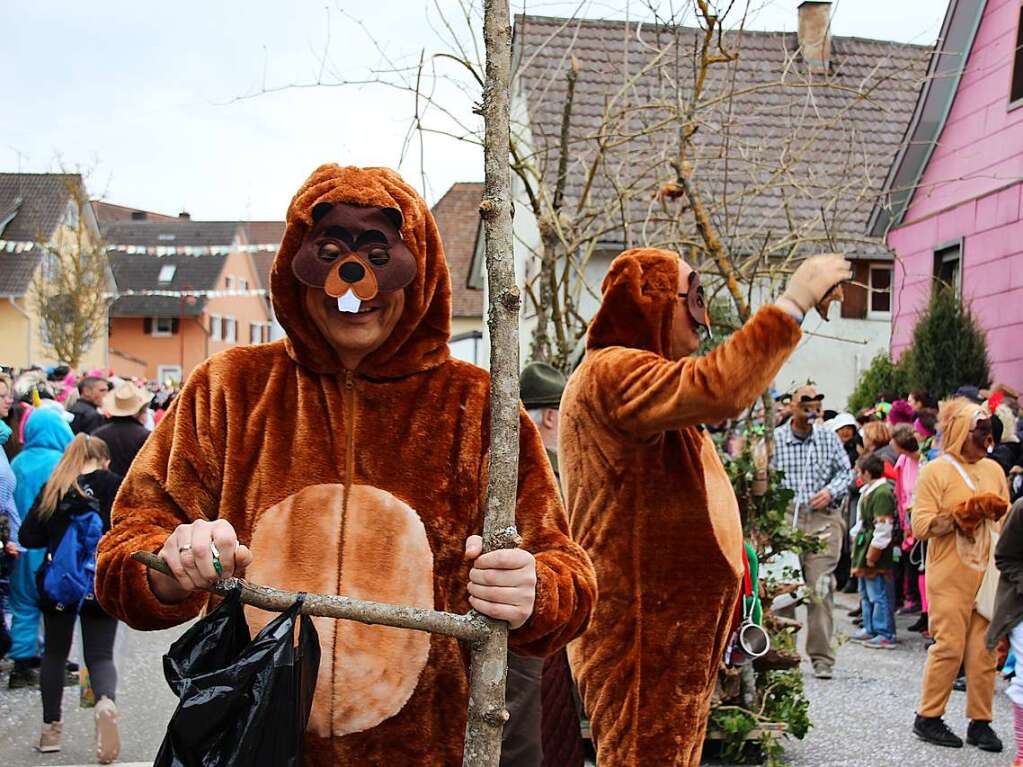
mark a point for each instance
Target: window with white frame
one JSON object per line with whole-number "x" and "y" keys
{"x": 229, "y": 282}
{"x": 162, "y": 327}
{"x": 215, "y": 332}
{"x": 71, "y": 214}
{"x": 243, "y": 284}
{"x": 255, "y": 333}
{"x": 230, "y": 330}
{"x": 167, "y": 273}
{"x": 467, "y": 347}
{"x": 1016, "y": 84}
{"x": 880, "y": 306}
{"x": 165, "y": 373}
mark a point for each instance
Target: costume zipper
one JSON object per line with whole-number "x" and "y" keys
{"x": 348, "y": 412}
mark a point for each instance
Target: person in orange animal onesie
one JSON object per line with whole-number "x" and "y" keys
{"x": 958, "y": 499}
{"x": 649, "y": 499}
{"x": 351, "y": 458}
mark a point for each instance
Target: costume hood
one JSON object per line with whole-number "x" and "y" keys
{"x": 954, "y": 421}
{"x": 419, "y": 340}
{"x": 48, "y": 430}
{"x": 637, "y": 304}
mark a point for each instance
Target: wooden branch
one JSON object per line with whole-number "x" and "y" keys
{"x": 488, "y": 664}
{"x": 470, "y": 627}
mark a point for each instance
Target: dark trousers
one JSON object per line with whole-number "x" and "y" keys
{"x": 98, "y": 633}
{"x": 520, "y": 743}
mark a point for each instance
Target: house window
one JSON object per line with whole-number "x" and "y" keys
{"x": 167, "y": 273}
{"x": 948, "y": 266}
{"x": 215, "y": 327}
{"x": 880, "y": 291}
{"x": 266, "y": 332}
{"x": 255, "y": 332}
{"x": 162, "y": 327}
{"x": 71, "y": 215}
{"x": 467, "y": 347}
{"x": 243, "y": 284}
{"x": 165, "y": 373}
{"x": 230, "y": 330}
{"x": 229, "y": 282}
{"x": 1016, "y": 88}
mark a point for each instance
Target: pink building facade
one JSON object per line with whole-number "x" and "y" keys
{"x": 954, "y": 208}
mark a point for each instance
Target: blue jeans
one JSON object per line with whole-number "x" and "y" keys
{"x": 877, "y": 598}
{"x": 24, "y": 604}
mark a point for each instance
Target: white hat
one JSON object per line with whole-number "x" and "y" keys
{"x": 126, "y": 400}
{"x": 842, "y": 420}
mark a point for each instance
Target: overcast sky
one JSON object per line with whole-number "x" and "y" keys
{"x": 146, "y": 94}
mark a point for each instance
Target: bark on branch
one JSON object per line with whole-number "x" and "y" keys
{"x": 470, "y": 627}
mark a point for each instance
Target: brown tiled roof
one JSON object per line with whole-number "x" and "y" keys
{"x": 835, "y": 134}
{"x": 263, "y": 232}
{"x": 107, "y": 212}
{"x": 136, "y": 271}
{"x": 43, "y": 201}
{"x": 458, "y": 218}
{"x": 262, "y": 261}
{"x": 16, "y": 270}
{"x": 176, "y": 232}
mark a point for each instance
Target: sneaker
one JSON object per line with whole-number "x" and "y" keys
{"x": 856, "y": 612}
{"x": 880, "y": 643}
{"x": 981, "y": 735}
{"x": 22, "y": 675}
{"x": 959, "y": 685}
{"x": 821, "y": 671}
{"x": 920, "y": 624}
{"x": 861, "y": 636}
{"x": 934, "y": 730}
{"x": 908, "y": 609}
{"x": 49, "y": 740}
{"x": 858, "y": 622}
{"x": 108, "y": 739}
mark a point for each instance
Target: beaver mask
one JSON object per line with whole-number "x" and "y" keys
{"x": 353, "y": 253}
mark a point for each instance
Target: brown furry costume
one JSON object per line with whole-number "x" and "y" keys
{"x": 361, "y": 483}
{"x": 649, "y": 500}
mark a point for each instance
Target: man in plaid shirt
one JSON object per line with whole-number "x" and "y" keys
{"x": 817, "y": 470}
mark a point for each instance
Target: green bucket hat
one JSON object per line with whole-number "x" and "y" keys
{"x": 541, "y": 385}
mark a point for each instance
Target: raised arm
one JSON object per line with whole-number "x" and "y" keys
{"x": 644, "y": 394}
{"x": 174, "y": 480}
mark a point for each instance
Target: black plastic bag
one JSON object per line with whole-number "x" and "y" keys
{"x": 242, "y": 703}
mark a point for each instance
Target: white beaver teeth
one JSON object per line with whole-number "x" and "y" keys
{"x": 349, "y": 302}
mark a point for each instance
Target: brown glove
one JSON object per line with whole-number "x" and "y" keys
{"x": 815, "y": 278}
{"x": 973, "y": 511}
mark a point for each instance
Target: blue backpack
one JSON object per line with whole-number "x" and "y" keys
{"x": 71, "y": 570}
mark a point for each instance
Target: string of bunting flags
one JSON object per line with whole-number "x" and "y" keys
{"x": 191, "y": 250}
{"x": 188, "y": 293}
{"x": 21, "y": 246}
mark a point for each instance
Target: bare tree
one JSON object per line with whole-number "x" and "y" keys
{"x": 70, "y": 289}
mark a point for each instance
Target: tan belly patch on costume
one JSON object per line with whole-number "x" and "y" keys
{"x": 386, "y": 558}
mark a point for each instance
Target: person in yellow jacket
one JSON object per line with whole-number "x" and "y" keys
{"x": 959, "y": 498}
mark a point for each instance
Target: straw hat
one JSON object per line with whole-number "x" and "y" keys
{"x": 126, "y": 399}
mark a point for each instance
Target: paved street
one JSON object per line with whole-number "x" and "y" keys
{"x": 864, "y": 716}
{"x": 861, "y": 717}
{"x": 145, "y": 701}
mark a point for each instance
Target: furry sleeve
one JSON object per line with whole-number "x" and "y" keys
{"x": 174, "y": 480}
{"x": 566, "y": 584}
{"x": 644, "y": 394}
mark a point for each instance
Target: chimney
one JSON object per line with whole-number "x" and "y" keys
{"x": 138, "y": 215}
{"x": 815, "y": 35}
{"x": 185, "y": 215}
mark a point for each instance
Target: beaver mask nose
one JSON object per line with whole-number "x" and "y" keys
{"x": 352, "y": 272}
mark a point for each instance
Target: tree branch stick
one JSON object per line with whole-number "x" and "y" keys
{"x": 470, "y": 627}
{"x": 488, "y": 664}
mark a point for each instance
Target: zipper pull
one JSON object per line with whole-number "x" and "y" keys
{"x": 349, "y": 379}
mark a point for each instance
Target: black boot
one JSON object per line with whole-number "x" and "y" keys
{"x": 981, "y": 735}
{"x": 22, "y": 675}
{"x": 920, "y": 624}
{"x": 934, "y": 730}
{"x": 959, "y": 685}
